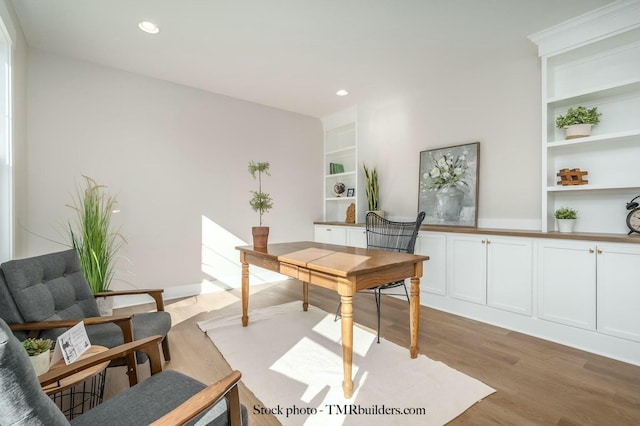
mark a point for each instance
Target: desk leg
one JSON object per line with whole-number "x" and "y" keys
{"x": 305, "y": 296}
{"x": 414, "y": 313}
{"x": 245, "y": 293}
{"x": 346, "y": 312}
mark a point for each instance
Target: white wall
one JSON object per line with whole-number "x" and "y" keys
{"x": 495, "y": 102}
{"x": 175, "y": 157}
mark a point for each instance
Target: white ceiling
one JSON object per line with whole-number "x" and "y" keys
{"x": 291, "y": 54}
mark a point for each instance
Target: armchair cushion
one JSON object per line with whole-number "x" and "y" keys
{"x": 153, "y": 398}
{"x": 144, "y": 325}
{"x": 22, "y": 400}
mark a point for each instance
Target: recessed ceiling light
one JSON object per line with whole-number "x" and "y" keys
{"x": 148, "y": 27}
{"x": 342, "y": 92}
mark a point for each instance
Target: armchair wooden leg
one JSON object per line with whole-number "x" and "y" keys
{"x": 165, "y": 349}
{"x": 132, "y": 369}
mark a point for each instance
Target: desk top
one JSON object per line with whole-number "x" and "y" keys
{"x": 333, "y": 259}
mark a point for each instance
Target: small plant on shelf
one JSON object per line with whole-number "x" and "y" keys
{"x": 566, "y": 213}
{"x": 578, "y": 115}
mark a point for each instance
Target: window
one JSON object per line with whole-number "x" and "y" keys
{"x": 6, "y": 171}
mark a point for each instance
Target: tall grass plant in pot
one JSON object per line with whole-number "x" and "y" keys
{"x": 94, "y": 239}
{"x": 261, "y": 203}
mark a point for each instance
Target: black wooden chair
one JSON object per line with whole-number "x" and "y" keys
{"x": 383, "y": 234}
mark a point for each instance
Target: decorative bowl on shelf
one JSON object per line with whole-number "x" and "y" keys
{"x": 339, "y": 188}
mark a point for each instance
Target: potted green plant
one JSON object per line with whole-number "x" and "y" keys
{"x": 94, "y": 239}
{"x": 372, "y": 190}
{"x": 38, "y": 350}
{"x": 261, "y": 203}
{"x": 566, "y": 218}
{"x": 577, "y": 122}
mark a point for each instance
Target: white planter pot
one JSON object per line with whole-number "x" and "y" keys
{"x": 105, "y": 306}
{"x": 378, "y": 212}
{"x": 40, "y": 362}
{"x": 566, "y": 225}
{"x": 577, "y": 131}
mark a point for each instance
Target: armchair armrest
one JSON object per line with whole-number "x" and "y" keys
{"x": 206, "y": 398}
{"x": 155, "y": 293}
{"x": 147, "y": 345}
{"x": 122, "y": 321}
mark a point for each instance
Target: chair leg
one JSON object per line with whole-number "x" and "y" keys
{"x": 405, "y": 291}
{"x": 165, "y": 349}
{"x": 378, "y": 303}
{"x": 338, "y": 312}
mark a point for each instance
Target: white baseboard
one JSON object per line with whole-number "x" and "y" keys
{"x": 258, "y": 276}
{"x": 586, "y": 340}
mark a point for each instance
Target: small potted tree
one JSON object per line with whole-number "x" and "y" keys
{"x": 372, "y": 190}
{"x": 38, "y": 350}
{"x": 260, "y": 202}
{"x": 566, "y": 218}
{"x": 577, "y": 121}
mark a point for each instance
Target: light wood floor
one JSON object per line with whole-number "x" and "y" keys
{"x": 537, "y": 382}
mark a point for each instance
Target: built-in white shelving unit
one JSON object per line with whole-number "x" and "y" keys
{"x": 340, "y": 147}
{"x": 593, "y": 61}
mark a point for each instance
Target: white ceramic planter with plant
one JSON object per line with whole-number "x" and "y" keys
{"x": 39, "y": 354}
{"x": 577, "y": 122}
{"x": 566, "y": 218}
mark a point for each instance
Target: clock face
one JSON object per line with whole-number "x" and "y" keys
{"x": 633, "y": 220}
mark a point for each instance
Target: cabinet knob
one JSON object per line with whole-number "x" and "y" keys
{"x": 599, "y": 251}
{"x": 591, "y": 251}
{"x": 488, "y": 241}
{"x": 484, "y": 242}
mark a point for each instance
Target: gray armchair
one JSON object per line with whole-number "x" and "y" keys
{"x": 167, "y": 397}
{"x": 44, "y": 295}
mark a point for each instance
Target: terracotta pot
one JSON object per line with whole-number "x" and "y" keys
{"x": 260, "y": 236}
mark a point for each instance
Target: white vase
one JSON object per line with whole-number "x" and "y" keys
{"x": 449, "y": 204}
{"x": 577, "y": 131}
{"x": 40, "y": 362}
{"x": 566, "y": 225}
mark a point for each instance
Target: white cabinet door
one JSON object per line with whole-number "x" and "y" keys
{"x": 434, "y": 270}
{"x": 330, "y": 234}
{"x": 619, "y": 291}
{"x": 567, "y": 283}
{"x": 509, "y": 274}
{"x": 357, "y": 237}
{"x": 466, "y": 268}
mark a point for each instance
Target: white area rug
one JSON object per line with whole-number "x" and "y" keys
{"x": 292, "y": 361}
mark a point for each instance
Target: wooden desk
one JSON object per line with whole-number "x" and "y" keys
{"x": 346, "y": 270}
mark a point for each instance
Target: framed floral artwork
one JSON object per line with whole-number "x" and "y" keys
{"x": 448, "y": 185}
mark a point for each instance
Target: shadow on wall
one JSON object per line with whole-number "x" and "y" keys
{"x": 221, "y": 260}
